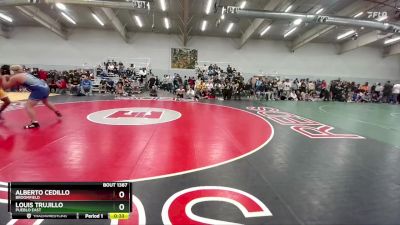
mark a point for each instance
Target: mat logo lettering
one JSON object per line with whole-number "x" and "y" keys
{"x": 178, "y": 208}
{"x": 136, "y": 116}
{"x": 132, "y": 114}
{"x": 301, "y": 125}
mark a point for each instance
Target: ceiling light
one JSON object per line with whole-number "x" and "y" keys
{"x": 243, "y": 4}
{"x": 61, "y": 6}
{"x": 382, "y": 18}
{"x": 319, "y": 11}
{"x": 97, "y": 19}
{"x": 208, "y": 7}
{"x": 138, "y": 21}
{"x": 358, "y": 14}
{"x": 204, "y": 25}
{"x": 297, "y": 22}
{"x": 290, "y": 32}
{"x": 6, "y": 18}
{"x": 166, "y": 22}
{"x": 163, "y": 6}
{"x": 265, "y": 31}
{"x": 229, "y": 28}
{"x": 344, "y": 35}
{"x": 289, "y": 8}
{"x": 389, "y": 41}
{"x": 68, "y": 18}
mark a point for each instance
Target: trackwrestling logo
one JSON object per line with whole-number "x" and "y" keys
{"x": 134, "y": 116}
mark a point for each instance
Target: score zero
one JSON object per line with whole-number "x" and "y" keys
{"x": 115, "y": 184}
{"x": 121, "y": 194}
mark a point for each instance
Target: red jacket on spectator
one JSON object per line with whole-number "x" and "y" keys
{"x": 42, "y": 75}
{"x": 323, "y": 85}
{"x": 61, "y": 84}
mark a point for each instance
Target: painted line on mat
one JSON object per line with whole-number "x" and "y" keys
{"x": 395, "y": 114}
{"x": 218, "y": 164}
{"x": 321, "y": 108}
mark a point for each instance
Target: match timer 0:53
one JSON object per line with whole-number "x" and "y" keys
{"x": 118, "y": 216}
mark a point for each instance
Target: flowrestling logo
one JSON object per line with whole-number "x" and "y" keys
{"x": 134, "y": 116}
{"x": 301, "y": 125}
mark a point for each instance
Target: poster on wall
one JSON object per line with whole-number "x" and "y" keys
{"x": 183, "y": 58}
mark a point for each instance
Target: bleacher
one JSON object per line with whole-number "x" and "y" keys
{"x": 133, "y": 65}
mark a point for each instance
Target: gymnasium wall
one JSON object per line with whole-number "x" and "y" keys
{"x": 34, "y": 45}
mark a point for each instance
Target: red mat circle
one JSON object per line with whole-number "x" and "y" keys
{"x": 76, "y": 149}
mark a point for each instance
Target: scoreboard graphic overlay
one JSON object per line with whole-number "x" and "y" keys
{"x": 110, "y": 200}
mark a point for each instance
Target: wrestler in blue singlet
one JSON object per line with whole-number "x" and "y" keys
{"x": 38, "y": 88}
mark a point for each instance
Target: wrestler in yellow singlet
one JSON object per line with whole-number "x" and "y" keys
{"x": 3, "y": 95}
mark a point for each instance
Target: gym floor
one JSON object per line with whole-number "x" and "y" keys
{"x": 303, "y": 162}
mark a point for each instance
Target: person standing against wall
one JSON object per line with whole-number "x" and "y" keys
{"x": 387, "y": 92}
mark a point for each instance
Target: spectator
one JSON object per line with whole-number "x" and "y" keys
{"x": 387, "y": 92}
{"x": 61, "y": 86}
{"x": 180, "y": 92}
{"x": 119, "y": 90}
{"x": 152, "y": 82}
{"x": 110, "y": 86}
{"x": 42, "y": 75}
{"x": 396, "y": 93}
{"x": 237, "y": 90}
{"x": 103, "y": 86}
{"x": 153, "y": 91}
{"x": 292, "y": 96}
{"x": 191, "y": 94}
{"x": 365, "y": 87}
{"x": 52, "y": 84}
{"x": 86, "y": 85}
{"x": 229, "y": 69}
{"x": 378, "y": 89}
{"x": 74, "y": 86}
{"x": 286, "y": 88}
{"x": 227, "y": 91}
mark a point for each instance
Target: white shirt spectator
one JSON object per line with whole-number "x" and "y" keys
{"x": 396, "y": 89}
{"x": 209, "y": 86}
{"x": 190, "y": 93}
{"x": 280, "y": 85}
{"x": 286, "y": 86}
{"x": 142, "y": 72}
{"x": 180, "y": 91}
{"x": 293, "y": 95}
{"x": 170, "y": 79}
{"x": 379, "y": 88}
{"x": 311, "y": 86}
{"x": 165, "y": 80}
